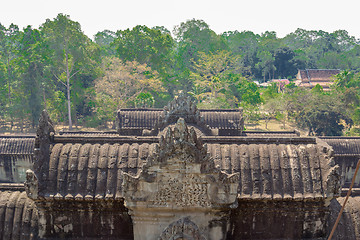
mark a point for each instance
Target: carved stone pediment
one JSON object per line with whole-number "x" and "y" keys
{"x": 180, "y": 175}
{"x": 182, "y": 107}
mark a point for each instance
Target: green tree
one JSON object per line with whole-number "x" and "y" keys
{"x": 320, "y": 116}
{"x": 73, "y": 52}
{"x": 124, "y": 84}
{"x": 246, "y": 91}
{"x": 33, "y": 62}
{"x": 151, "y": 46}
{"x": 284, "y": 62}
{"x": 105, "y": 40}
{"x": 9, "y": 47}
{"x": 266, "y": 64}
{"x": 213, "y": 78}
{"x": 192, "y": 38}
{"x": 211, "y": 71}
{"x": 246, "y": 45}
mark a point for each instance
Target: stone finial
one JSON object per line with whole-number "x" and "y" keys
{"x": 46, "y": 127}
{"x": 44, "y": 136}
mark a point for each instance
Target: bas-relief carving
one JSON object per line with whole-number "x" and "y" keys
{"x": 189, "y": 190}
{"x": 184, "y": 228}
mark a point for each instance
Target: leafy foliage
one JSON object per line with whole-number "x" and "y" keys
{"x": 59, "y": 68}
{"x": 124, "y": 84}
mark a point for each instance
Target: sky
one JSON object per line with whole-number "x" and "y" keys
{"x": 258, "y": 16}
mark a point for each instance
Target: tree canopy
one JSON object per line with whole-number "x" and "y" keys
{"x": 84, "y": 81}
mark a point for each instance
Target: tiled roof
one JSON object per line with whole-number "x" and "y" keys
{"x": 89, "y": 134}
{"x": 148, "y": 118}
{"x": 318, "y": 74}
{"x": 13, "y": 145}
{"x": 275, "y": 171}
{"x": 92, "y": 170}
{"x": 271, "y": 134}
{"x": 138, "y": 118}
{"x": 322, "y": 74}
{"x": 311, "y": 77}
{"x": 18, "y": 216}
{"x": 344, "y": 146}
{"x": 274, "y": 168}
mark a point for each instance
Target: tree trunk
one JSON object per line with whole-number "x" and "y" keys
{"x": 68, "y": 90}
{"x": 266, "y": 122}
{"x": 9, "y": 93}
{"x": 21, "y": 124}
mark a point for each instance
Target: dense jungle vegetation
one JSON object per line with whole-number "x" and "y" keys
{"x": 81, "y": 81}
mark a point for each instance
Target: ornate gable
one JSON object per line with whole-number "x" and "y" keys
{"x": 182, "y": 107}
{"x": 180, "y": 180}
{"x": 180, "y": 174}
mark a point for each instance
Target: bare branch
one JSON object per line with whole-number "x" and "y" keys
{"x": 75, "y": 73}
{"x": 59, "y": 79}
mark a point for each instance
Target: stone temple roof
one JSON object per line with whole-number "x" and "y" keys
{"x": 270, "y": 168}
{"x": 148, "y": 118}
{"x": 92, "y": 179}
{"x": 150, "y": 121}
{"x": 18, "y": 216}
{"x": 344, "y": 146}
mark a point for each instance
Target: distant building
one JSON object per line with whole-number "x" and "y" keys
{"x": 281, "y": 83}
{"x": 309, "y": 78}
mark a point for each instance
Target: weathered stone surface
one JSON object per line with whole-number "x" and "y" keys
{"x": 180, "y": 183}
{"x": 44, "y": 135}
{"x": 18, "y": 216}
{"x": 31, "y": 184}
{"x": 279, "y": 220}
{"x": 92, "y": 170}
{"x": 180, "y": 174}
{"x": 70, "y": 219}
{"x": 279, "y": 171}
{"x": 349, "y": 225}
{"x": 183, "y": 228}
{"x": 346, "y": 155}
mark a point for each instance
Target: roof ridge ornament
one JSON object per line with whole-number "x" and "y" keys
{"x": 44, "y": 136}
{"x": 182, "y": 107}
{"x": 181, "y": 138}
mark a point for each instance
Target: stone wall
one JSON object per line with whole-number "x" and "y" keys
{"x": 84, "y": 219}
{"x": 279, "y": 220}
